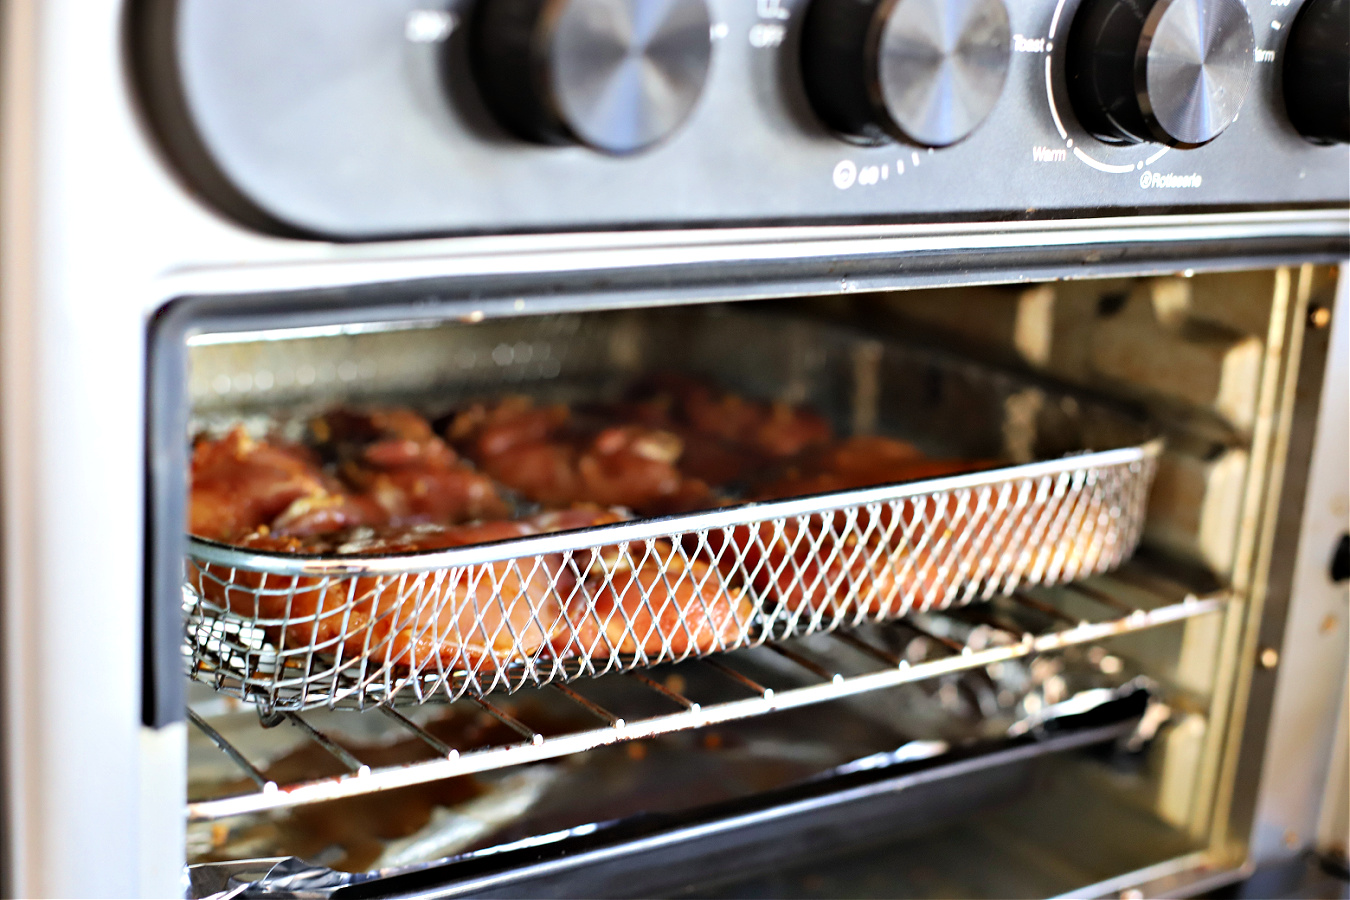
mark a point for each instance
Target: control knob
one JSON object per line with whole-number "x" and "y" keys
{"x": 1317, "y": 71}
{"x": 1171, "y": 71}
{"x": 615, "y": 75}
{"x": 923, "y": 71}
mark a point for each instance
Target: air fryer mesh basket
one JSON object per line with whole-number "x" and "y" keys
{"x": 297, "y": 632}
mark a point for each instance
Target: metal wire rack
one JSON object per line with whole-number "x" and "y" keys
{"x": 842, "y": 664}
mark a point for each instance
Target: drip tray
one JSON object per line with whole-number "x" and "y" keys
{"x": 884, "y": 797}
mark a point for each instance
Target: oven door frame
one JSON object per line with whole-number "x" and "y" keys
{"x": 475, "y": 295}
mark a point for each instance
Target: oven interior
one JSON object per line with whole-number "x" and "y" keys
{"x": 1033, "y": 736}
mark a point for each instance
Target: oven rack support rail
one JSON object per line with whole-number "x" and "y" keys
{"x": 825, "y": 683}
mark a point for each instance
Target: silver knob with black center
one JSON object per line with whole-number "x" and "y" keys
{"x": 923, "y": 71}
{"x": 1170, "y": 71}
{"x": 615, "y": 75}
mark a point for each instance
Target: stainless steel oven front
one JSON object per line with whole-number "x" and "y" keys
{"x": 1079, "y": 240}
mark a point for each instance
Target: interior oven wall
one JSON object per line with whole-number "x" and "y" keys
{"x": 1199, "y": 351}
{"x": 1241, "y": 491}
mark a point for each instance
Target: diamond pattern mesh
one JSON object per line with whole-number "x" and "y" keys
{"x": 608, "y": 603}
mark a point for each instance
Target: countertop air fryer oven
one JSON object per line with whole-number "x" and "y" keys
{"x": 1073, "y": 270}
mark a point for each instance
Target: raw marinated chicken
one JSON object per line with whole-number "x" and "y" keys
{"x": 664, "y": 608}
{"x": 727, "y": 438}
{"x": 547, "y": 456}
{"x": 775, "y": 430}
{"x": 484, "y": 431}
{"x": 382, "y": 481}
{"x": 870, "y": 567}
{"x": 865, "y": 562}
{"x": 859, "y": 462}
{"x": 393, "y": 458}
{"x": 485, "y": 617}
{"x": 480, "y": 617}
{"x": 240, "y": 485}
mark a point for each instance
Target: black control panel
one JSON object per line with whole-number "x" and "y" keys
{"x": 362, "y": 119}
